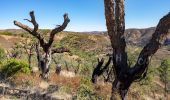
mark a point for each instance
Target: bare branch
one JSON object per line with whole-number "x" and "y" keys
{"x": 99, "y": 70}
{"x": 107, "y": 64}
{"x": 58, "y": 29}
{"x": 32, "y": 31}
{"x": 24, "y": 27}
{"x": 27, "y": 20}
{"x": 98, "y": 67}
{"x": 34, "y": 21}
{"x": 28, "y": 29}
{"x": 155, "y": 43}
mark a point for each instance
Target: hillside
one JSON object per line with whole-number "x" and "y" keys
{"x": 141, "y": 36}
{"x": 77, "y": 65}
{"x": 134, "y": 36}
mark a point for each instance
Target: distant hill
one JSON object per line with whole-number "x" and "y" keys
{"x": 14, "y": 31}
{"x": 133, "y": 36}
{"x": 136, "y": 36}
{"x": 139, "y": 36}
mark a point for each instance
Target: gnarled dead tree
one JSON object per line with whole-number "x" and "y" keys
{"x": 124, "y": 74}
{"x": 100, "y": 69}
{"x": 45, "y": 59}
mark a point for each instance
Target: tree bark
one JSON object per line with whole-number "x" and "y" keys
{"x": 45, "y": 64}
{"x": 124, "y": 75}
{"x": 30, "y": 55}
{"x": 39, "y": 57}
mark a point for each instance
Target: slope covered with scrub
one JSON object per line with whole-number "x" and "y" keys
{"x": 74, "y": 81}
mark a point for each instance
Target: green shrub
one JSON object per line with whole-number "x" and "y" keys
{"x": 164, "y": 73}
{"x": 2, "y": 55}
{"x": 86, "y": 69}
{"x": 86, "y": 81}
{"x": 79, "y": 44}
{"x": 13, "y": 66}
{"x": 65, "y": 89}
{"x": 149, "y": 77}
{"x": 133, "y": 53}
{"x": 86, "y": 93}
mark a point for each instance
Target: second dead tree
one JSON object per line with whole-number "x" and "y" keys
{"x": 44, "y": 60}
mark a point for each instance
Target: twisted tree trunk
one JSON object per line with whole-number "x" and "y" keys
{"x": 125, "y": 75}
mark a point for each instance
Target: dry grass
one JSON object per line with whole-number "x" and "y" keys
{"x": 104, "y": 89}
{"x": 21, "y": 79}
{"x": 72, "y": 82}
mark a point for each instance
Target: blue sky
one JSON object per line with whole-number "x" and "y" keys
{"x": 85, "y": 15}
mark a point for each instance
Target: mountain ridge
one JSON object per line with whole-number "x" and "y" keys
{"x": 133, "y": 36}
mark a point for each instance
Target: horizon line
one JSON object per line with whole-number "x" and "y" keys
{"x": 1, "y": 29}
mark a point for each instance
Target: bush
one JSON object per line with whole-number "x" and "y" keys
{"x": 2, "y": 55}
{"x": 13, "y": 66}
{"x": 164, "y": 73}
{"x": 86, "y": 91}
{"x": 149, "y": 77}
{"x": 86, "y": 69}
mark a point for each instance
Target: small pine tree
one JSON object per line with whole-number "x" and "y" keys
{"x": 164, "y": 73}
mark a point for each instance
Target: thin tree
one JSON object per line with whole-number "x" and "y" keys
{"x": 164, "y": 73}
{"x": 46, "y": 45}
{"x": 28, "y": 45}
{"x": 124, "y": 74}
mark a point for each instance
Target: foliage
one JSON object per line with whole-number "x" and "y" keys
{"x": 85, "y": 91}
{"x": 86, "y": 69}
{"x": 133, "y": 53}
{"x": 149, "y": 77}
{"x": 13, "y": 66}
{"x": 164, "y": 72}
{"x": 65, "y": 89}
{"x": 86, "y": 81}
{"x": 82, "y": 45}
{"x": 87, "y": 53}
{"x": 2, "y": 55}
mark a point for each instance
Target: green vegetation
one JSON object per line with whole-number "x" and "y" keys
{"x": 13, "y": 66}
{"x": 2, "y": 55}
{"x": 86, "y": 91}
{"x": 78, "y": 43}
{"x": 6, "y": 33}
{"x": 164, "y": 70}
{"x": 164, "y": 73}
{"x": 85, "y": 49}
